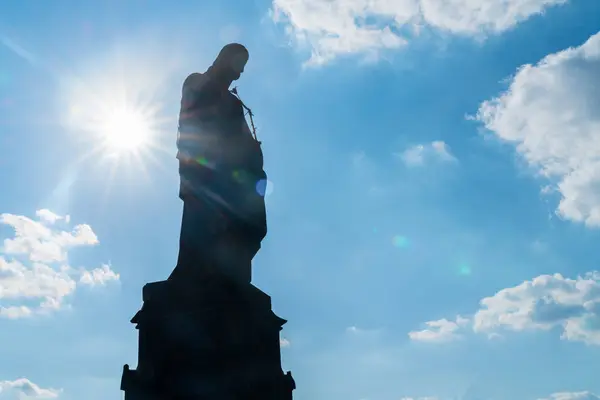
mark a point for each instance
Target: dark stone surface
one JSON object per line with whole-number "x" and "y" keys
{"x": 222, "y": 177}
{"x": 213, "y": 339}
{"x": 206, "y": 332}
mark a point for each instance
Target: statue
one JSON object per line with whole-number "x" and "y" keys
{"x": 222, "y": 181}
{"x": 207, "y": 332}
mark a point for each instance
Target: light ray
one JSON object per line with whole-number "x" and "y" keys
{"x": 113, "y": 107}
{"x": 105, "y": 95}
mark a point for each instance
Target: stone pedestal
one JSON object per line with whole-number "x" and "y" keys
{"x": 211, "y": 339}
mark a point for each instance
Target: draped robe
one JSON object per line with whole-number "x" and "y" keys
{"x": 222, "y": 183}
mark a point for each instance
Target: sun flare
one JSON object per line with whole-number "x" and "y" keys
{"x": 114, "y": 110}
{"x": 125, "y": 130}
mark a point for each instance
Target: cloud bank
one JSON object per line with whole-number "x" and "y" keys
{"x": 547, "y": 302}
{"x": 35, "y": 276}
{"x": 24, "y": 389}
{"x": 440, "y": 331}
{"x": 550, "y": 115}
{"x": 338, "y": 27}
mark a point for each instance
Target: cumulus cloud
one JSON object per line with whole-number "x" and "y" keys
{"x": 440, "y": 331}
{"x": 98, "y": 276}
{"x": 283, "y": 342}
{"x": 573, "y": 396}
{"x": 24, "y": 389}
{"x": 546, "y": 302}
{"x": 39, "y": 242}
{"x": 49, "y": 216}
{"x": 571, "y": 306}
{"x": 550, "y": 114}
{"x": 337, "y": 27}
{"x": 38, "y": 282}
{"x": 420, "y": 154}
{"x": 37, "y": 279}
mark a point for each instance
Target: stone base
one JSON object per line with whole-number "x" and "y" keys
{"x": 210, "y": 339}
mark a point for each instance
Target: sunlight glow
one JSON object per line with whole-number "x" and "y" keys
{"x": 125, "y": 129}
{"x": 112, "y": 108}
{"x": 114, "y": 105}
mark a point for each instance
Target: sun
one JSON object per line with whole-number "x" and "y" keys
{"x": 125, "y": 129}
{"x": 113, "y": 110}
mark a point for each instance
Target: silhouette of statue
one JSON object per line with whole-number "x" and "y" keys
{"x": 222, "y": 181}
{"x": 207, "y": 332}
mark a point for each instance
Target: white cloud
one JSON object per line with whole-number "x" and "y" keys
{"x": 50, "y": 217}
{"x": 337, "y": 27}
{"x": 39, "y": 242}
{"x": 283, "y": 342}
{"x": 24, "y": 389}
{"x": 99, "y": 276}
{"x": 573, "y": 396}
{"x": 39, "y": 282}
{"x": 37, "y": 279}
{"x": 420, "y": 154}
{"x": 440, "y": 331}
{"x": 550, "y": 114}
{"x": 546, "y": 302}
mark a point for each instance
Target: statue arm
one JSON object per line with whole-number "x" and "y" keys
{"x": 199, "y": 97}
{"x": 199, "y": 102}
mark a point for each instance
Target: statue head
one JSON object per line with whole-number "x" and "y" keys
{"x": 230, "y": 62}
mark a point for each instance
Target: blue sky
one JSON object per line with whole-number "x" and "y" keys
{"x": 435, "y": 197}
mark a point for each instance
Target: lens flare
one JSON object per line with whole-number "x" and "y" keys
{"x": 464, "y": 270}
{"x": 400, "y": 241}
{"x": 264, "y": 187}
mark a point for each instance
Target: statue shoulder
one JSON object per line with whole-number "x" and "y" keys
{"x": 194, "y": 81}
